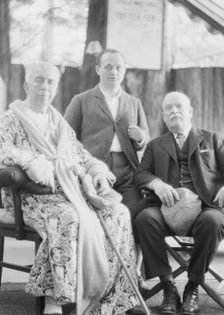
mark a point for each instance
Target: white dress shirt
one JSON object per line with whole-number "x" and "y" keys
{"x": 185, "y": 133}
{"x": 113, "y": 104}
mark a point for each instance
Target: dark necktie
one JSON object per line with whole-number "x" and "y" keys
{"x": 180, "y": 138}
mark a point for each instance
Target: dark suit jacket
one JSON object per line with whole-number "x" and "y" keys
{"x": 206, "y": 164}
{"x": 89, "y": 115}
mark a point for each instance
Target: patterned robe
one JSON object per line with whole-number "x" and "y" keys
{"x": 54, "y": 272}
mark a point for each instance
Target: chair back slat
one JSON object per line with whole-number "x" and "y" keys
{"x": 19, "y": 222}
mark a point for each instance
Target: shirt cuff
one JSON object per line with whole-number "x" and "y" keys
{"x": 151, "y": 184}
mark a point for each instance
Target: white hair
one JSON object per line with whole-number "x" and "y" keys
{"x": 176, "y": 94}
{"x": 33, "y": 67}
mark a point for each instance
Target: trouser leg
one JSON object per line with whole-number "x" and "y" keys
{"x": 131, "y": 198}
{"x": 208, "y": 232}
{"x": 151, "y": 231}
{"x": 124, "y": 185}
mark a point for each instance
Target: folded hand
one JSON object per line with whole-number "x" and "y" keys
{"x": 135, "y": 133}
{"x": 41, "y": 171}
{"x": 101, "y": 184}
{"x": 219, "y": 198}
{"x": 166, "y": 193}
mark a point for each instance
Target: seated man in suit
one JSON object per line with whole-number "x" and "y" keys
{"x": 196, "y": 162}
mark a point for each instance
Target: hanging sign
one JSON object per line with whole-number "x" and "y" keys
{"x": 135, "y": 27}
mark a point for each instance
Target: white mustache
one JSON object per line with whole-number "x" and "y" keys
{"x": 175, "y": 116}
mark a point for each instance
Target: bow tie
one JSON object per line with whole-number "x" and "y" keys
{"x": 180, "y": 139}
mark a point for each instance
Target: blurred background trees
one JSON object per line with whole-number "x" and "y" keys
{"x": 68, "y": 33}
{"x": 53, "y": 30}
{"x": 57, "y": 30}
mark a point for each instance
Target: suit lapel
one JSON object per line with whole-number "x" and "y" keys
{"x": 195, "y": 138}
{"x": 102, "y": 103}
{"x": 168, "y": 143}
{"x": 123, "y": 106}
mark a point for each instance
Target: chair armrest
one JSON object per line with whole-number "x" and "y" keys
{"x": 16, "y": 179}
{"x": 144, "y": 191}
{"x": 14, "y": 176}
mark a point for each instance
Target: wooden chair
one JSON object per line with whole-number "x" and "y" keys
{"x": 15, "y": 178}
{"x": 181, "y": 250}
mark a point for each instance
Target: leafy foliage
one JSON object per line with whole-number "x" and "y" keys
{"x": 48, "y": 29}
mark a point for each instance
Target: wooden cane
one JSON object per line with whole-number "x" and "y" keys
{"x": 142, "y": 302}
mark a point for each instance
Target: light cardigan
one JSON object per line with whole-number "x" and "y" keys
{"x": 92, "y": 265}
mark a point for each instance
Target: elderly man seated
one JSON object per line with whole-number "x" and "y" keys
{"x": 75, "y": 262}
{"x": 186, "y": 163}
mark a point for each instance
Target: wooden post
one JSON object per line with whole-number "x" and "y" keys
{"x": 4, "y": 54}
{"x": 96, "y": 31}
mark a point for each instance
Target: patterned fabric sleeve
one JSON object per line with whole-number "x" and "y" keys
{"x": 10, "y": 128}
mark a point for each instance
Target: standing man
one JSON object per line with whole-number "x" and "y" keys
{"x": 196, "y": 163}
{"x": 111, "y": 124}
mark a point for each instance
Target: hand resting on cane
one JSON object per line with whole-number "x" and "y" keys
{"x": 99, "y": 196}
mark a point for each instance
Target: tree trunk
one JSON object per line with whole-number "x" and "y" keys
{"x": 96, "y": 31}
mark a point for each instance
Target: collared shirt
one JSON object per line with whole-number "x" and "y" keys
{"x": 185, "y": 133}
{"x": 113, "y": 104}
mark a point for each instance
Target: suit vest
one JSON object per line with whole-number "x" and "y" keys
{"x": 185, "y": 179}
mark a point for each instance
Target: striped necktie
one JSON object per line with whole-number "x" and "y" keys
{"x": 180, "y": 138}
